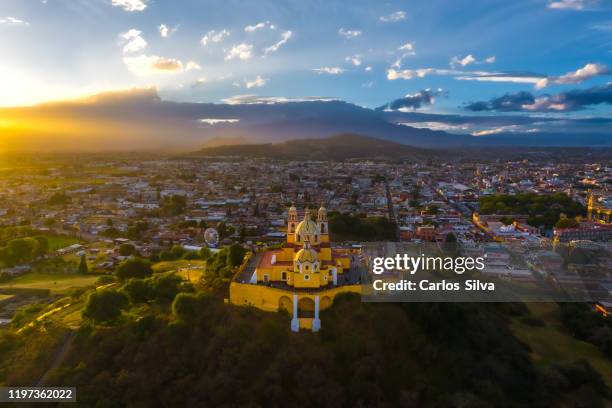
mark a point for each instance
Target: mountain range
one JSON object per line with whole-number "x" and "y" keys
{"x": 140, "y": 119}
{"x": 338, "y": 147}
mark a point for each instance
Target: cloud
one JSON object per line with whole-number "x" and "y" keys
{"x": 505, "y": 103}
{"x": 605, "y": 26}
{"x": 484, "y": 76}
{"x": 505, "y": 129}
{"x": 570, "y": 4}
{"x": 512, "y": 77}
{"x": 574, "y": 100}
{"x": 469, "y": 60}
{"x": 271, "y": 100}
{"x": 133, "y": 41}
{"x": 349, "y": 34}
{"x": 515, "y": 123}
{"x": 192, "y": 66}
{"x": 393, "y": 74}
{"x": 274, "y": 47}
{"x": 465, "y": 61}
{"x": 258, "y": 82}
{"x": 355, "y": 60}
{"x": 580, "y": 75}
{"x": 165, "y": 31}
{"x": 329, "y": 70}
{"x": 242, "y": 51}
{"x": 130, "y": 5}
{"x": 368, "y": 68}
{"x": 414, "y": 101}
{"x": 214, "y": 36}
{"x": 253, "y": 28}
{"x": 199, "y": 83}
{"x": 407, "y": 50}
{"x": 153, "y": 64}
{"x": 394, "y": 17}
{"x": 13, "y": 21}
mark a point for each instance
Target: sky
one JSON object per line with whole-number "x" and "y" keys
{"x": 545, "y": 57}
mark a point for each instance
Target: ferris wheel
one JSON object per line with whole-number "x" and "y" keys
{"x": 211, "y": 236}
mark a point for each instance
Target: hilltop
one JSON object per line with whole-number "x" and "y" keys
{"x": 339, "y": 147}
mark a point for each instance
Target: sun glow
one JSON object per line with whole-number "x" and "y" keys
{"x": 20, "y": 89}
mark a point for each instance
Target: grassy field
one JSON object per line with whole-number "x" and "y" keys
{"x": 57, "y": 283}
{"x": 60, "y": 241}
{"x": 551, "y": 344}
{"x": 168, "y": 266}
{"x": 5, "y": 297}
{"x": 194, "y": 275}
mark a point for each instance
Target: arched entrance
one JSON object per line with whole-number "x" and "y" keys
{"x": 306, "y": 305}
{"x": 284, "y": 303}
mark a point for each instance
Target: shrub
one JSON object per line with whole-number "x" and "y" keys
{"x": 105, "y": 305}
{"x": 138, "y": 290}
{"x": 134, "y": 268}
{"x": 186, "y": 306}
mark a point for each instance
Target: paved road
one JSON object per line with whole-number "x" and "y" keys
{"x": 247, "y": 273}
{"x": 391, "y": 211}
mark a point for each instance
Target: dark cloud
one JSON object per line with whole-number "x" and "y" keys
{"x": 574, "y": 100}
{"x": 505, "y": 103}
{"x": 414, "y": 101}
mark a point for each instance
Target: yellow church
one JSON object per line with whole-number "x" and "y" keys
{"x": 302, "y": 277}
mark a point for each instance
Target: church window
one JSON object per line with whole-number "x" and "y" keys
{"x": 322, "y": 228}
{"x": 284, "y": 276}
{"x": 306, "y": 277}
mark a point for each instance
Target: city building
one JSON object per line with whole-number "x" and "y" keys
{"x": 600, "y": 212}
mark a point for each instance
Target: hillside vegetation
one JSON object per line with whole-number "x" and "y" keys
{"x": 340, "y": 147}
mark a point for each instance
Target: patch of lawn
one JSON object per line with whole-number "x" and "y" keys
{"x": 193, "y": 275}
{"x": 57, "y": 283}
{"x": 60, "y": 241}
{"x": 551, "y": 343}
{"x": 167, "y": 266}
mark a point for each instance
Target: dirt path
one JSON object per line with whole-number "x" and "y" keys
{"x": 59, "y": 357}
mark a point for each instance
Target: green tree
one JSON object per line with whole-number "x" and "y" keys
{"x": 165, "y": 286}
{"x": 186, "y": 306}
{"x": 138, "y": 290}
{"x": 566, "y": 223}
{"x": 235, "y": 255}
{"x": 450, "y": 238}
{"x": 205, "y": 253}
{"x": 134, "y": 268}
{"x": 83, "y": 269}
{"x": 105, "y": 305}
{"x": 177, "y": 251}
{"x": 127, "y": 249}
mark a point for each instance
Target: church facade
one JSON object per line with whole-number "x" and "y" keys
{"x": 302, "y": 277}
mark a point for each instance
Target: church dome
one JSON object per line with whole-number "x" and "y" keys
{"x": 307, "y": 230}
{"x": 322, "y": 213}
{"x": 306, "y": 254}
